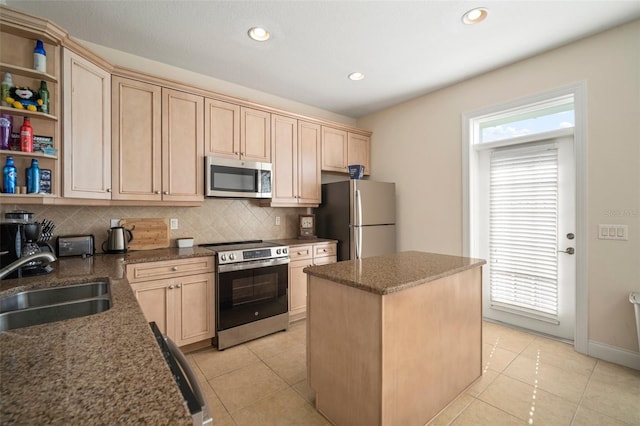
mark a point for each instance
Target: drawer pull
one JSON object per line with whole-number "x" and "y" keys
{"x": 175, "y": 268}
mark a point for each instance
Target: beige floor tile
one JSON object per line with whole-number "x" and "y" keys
{"x": 561, "y": 355}
{"x": 216, "y": 409}
{"x": 273, "y": 344}
{"x": 479, "y": 413}
{"x": 528, "y": 402}
{"x": 241, "y": 388}
{"x": 506, "y": 338}
{"x": 495, "y": 358}
{"x": 285, "y": 407}
{"x": 305, "y": 391}
{"x": 557, "y": 381}
{"x": 291, "y": 365}
{"x": 587, "y": 417}
{"x": 452, "y": 411}
{"x": 214, "y": 363}
{"x": 614, "y": 391}
{"x": 481, "y": 384}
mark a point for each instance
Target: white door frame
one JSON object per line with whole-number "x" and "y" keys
{"x": 578, "y": 90}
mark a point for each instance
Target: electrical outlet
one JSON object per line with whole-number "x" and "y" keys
{"x": 174, "y": 223}
{"x": 277, "y": 220}
{"x": 115, "y": 222}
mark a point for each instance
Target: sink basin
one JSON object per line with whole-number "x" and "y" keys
{"x": 47, "y": 314}
{"x": 53, "y": 295}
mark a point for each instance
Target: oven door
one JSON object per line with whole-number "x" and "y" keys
{"x": 251, "y": 291}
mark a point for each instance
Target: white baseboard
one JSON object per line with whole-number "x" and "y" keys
{"x": 614, "y": 354}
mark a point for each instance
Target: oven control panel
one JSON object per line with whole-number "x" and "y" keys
{"x": 253, "y": 254}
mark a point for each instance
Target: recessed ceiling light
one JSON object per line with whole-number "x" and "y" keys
{"x": 475, "y": 16}
{"x": 356, "y": 76}
{"x": 259, "y": 34}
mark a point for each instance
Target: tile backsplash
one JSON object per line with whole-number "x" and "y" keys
{"x": 217, "y": 220}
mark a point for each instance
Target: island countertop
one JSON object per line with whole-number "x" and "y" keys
{"x": 99, "y": 369}
{"x": 394, "y": 272}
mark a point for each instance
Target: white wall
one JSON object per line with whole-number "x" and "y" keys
{"x": 418, "y": 145}
{"x": 201, "y": 81}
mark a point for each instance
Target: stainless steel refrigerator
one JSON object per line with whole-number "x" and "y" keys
{"x": 361, "y": 215}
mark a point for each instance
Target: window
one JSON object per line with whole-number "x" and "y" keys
{"x": 546, "y": 116}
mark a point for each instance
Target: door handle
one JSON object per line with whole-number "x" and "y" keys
{"x": 569, "y": 250}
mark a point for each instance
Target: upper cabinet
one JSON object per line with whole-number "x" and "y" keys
{"x": 87, "y": 129}
{"x": 157, "y": 144}
{"x": 237, "y": 132}
{"x": 334, "y": 150}
{"x": 358, "y": 151}
{"x": 296, "y": 162}
{"x": 136, "y": 140}
{"x": 18, "y": 37}
{"x": 341, "y": 148}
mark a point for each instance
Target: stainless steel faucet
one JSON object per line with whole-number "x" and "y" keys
{"x": 44, "y": 257}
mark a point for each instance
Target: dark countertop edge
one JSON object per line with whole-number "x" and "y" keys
{"x": 317, "y": 271}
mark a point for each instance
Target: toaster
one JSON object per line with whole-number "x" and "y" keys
{"x": 75, "y": 245}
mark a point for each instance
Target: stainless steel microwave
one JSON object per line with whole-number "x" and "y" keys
{"x": 237, "y": 178}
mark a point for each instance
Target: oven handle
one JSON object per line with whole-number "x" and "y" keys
{"x": 191, "y": 377}
{"x": 254, "y": 264}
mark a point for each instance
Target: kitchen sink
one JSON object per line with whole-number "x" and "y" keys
{"x": 47, "y": 314}
{"x": 53, "y": 295}
{"x": 53, "y": 304}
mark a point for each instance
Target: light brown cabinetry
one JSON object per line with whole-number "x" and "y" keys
{"x": 301, "y": 257}
{"x": 236, "y": 132}
{"x": 178, "y": 295}
{"x": 87, "y": 129}
{"x": 18, "y": 35}
{"x": 341, "y": 148}
{"x": 296, "y": 154}
{"x": 358, "y": 151}
{"x": 157, "y": 143}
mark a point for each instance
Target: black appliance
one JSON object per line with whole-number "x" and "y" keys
{"x": 20, "y": 240}
{"x": 189, "y": 387}
{"x": 252, "y": 280}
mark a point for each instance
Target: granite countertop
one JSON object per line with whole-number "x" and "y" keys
{"x": 394, "y": 272}
{"x": 99, "y": 369}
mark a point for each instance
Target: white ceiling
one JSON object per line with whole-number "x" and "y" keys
{"x": 405, "y": 48}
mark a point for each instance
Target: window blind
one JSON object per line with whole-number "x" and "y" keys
{"x": 523, "y": 221}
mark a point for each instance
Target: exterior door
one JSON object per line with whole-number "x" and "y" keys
{"x": 528, "y": 235}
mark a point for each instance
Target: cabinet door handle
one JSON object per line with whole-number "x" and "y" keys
{"x": 108, "y": 189}
{"x": 175, "y": 268}
{"x": 179, "y": 285}
{"x": 156, "y": 192}
{"x": 166, "y": 192}
{"x": 171, "y": 287}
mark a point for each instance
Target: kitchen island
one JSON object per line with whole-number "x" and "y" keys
{"x": 391, "y": 340}
{"x": 99, "y": 369}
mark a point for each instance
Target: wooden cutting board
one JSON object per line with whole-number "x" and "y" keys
{"x": 148, "y": 234}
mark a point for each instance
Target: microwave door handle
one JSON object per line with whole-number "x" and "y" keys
{"x": 191, "y": 377}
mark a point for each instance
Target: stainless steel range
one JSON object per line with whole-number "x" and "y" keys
{"x": 252, "y": 279}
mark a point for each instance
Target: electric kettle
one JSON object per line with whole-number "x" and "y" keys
{"x": 116, "y": 242}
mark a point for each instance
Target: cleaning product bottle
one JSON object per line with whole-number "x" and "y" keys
{"x": 39, "y": 57}
{"x": 33, "y": 177}
{"x": 10, "y": 175}
{"x": 44, "y": 95}
{"x": 7, "y": 84}
{"x": 26, "y": 136}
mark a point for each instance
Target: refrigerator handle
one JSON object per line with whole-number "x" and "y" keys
{"x": 358, "y": 224}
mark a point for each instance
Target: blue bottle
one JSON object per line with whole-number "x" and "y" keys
{"x": 10, "y": 175}
{"x": 33, "y": 178}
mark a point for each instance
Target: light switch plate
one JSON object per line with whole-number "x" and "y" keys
{"x": 115, "y": 222}
{"x": 174, "y": 223}
{"x": 613, "y": 232}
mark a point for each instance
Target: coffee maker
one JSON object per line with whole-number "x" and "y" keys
{"x": 20, "y": 240}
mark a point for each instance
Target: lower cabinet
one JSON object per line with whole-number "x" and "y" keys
{"x": 301, "y": 257}
{"x": 178, "y": 295}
